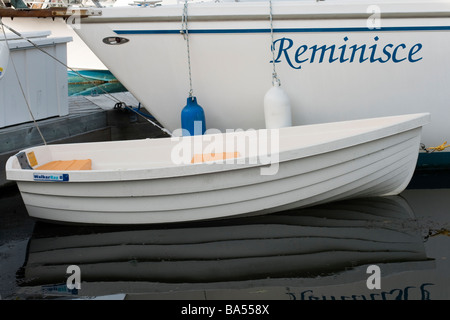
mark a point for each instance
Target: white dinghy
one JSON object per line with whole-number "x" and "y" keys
{"x": 217, "y": 175}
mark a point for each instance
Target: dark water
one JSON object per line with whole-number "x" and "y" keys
{"x": 323, "y": 252}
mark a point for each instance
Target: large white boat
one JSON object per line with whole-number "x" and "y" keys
{"x": 336, "y": 59}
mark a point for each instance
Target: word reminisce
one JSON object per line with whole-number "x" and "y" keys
{"x": 296, "y": 56}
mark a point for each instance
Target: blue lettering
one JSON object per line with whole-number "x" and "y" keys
{"x": 374, "y": 49}
{"x": 322, "y": 55}
{"x": 283, "y": 49}
{"x": 341, "y": 58}
{"x": 298, "y": 53}
{"x": 385, "y": 294}
{"x": 361, "y": 57}
{"x": 425, "y": 293}
{"x": 303, "y": 295}
{"x": 406, "y": 293}
{"x": 296, "y": 56}
{"x": 387, "y": 53}
{"x": 394, "y": 294}
{"x": 414, "y": 49}
{"x": 394, "y": 54}
{"x": 43, "y": 177}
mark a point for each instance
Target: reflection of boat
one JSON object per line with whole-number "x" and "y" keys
{"x": 93, "y": 82}
{"x": 326, "y": 241}
{"x": 217, "y": 175}
{"x": 337, "y": 60}
{"x": 84, "y": 89}
{"x": 83, "y": 76}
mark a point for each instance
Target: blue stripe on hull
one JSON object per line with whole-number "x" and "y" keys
{"x": 287, "y": 30}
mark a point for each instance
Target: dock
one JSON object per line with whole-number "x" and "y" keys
{"x": 90, "y": 119}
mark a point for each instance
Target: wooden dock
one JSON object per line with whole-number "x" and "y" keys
{"x": 86, "y": 122}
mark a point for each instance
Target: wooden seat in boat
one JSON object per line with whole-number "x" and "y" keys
{"x": 214, "y": 156}
{"x": 65, "y": 165}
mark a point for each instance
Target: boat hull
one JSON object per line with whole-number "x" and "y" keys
{"x": 332, "y": 63}
{"x": 330, "y": 165}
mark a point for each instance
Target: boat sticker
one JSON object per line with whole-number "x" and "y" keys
{"x": 1, "y": 71}
{"x": 50, "y": 177}
{"x": 59, "y": 288}
{"x": 32, "y": 159}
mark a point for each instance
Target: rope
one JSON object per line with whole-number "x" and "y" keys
{"x": 441, "y": 147}
{"x": 120, "y": 105}
{"x": 184, "y": 31}
{"x": 434, "y": 233}
{"x": 274, "y": 72}
{"x": 21, "y": 88}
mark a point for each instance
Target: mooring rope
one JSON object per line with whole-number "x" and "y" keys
{"x": 185, "y": 32}
{"x": 274, "y": 72}
{"x": 440, "y": 147}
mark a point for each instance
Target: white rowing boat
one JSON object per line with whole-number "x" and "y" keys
{"x": 217, "y": 175}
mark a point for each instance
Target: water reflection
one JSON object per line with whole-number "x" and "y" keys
{"x": 87, "y": 89}
{"x": 332, "y": 244}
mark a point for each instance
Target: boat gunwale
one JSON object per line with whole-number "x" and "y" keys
{"x": 258, "y": 11}
{"x": 223, "y": 18}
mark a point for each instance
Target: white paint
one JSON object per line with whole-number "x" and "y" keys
{"x": 277, "y": 108}
{"x": 230, "y": 71}
{"x": 134, "y": 182}
{"x": 4, "y": 58}
{"x": 42, "y": 78}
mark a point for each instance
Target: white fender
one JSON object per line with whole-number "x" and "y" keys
{"x": 277, "y": 108}
{"x": 4, "y": 57}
